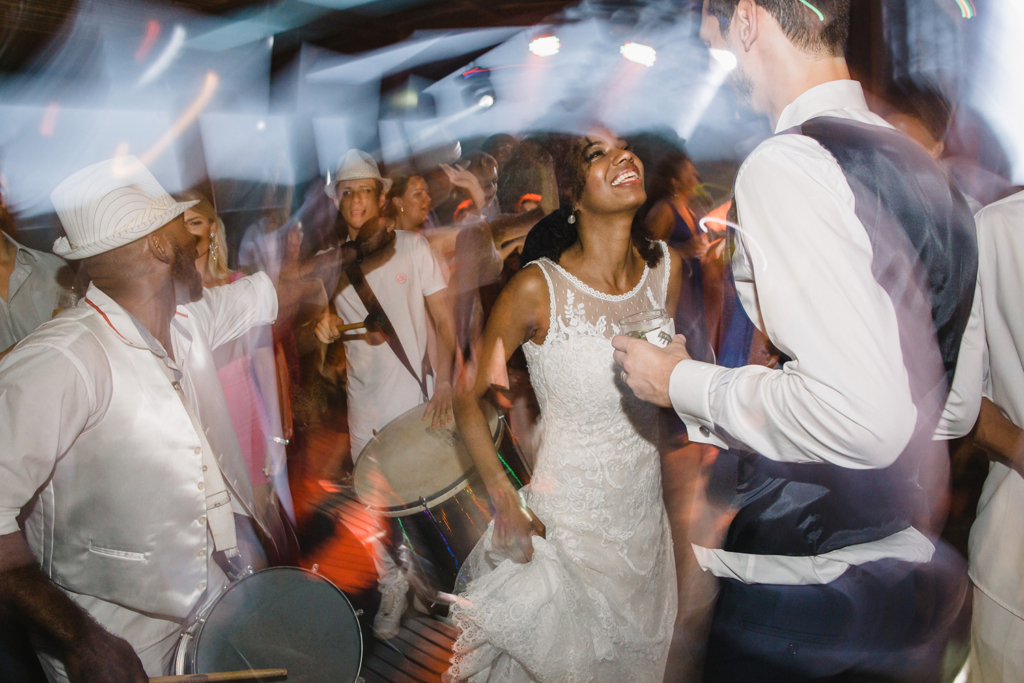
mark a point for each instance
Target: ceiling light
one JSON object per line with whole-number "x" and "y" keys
{"x": 486, "y": 101}
{"x": 545, "y": 46}
{"x": 641, "y": 54}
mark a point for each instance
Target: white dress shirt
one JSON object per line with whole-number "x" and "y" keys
{"x": 803, "y": 274}
{"x": 52, "y": 389}
{"x": 997, "y": 537}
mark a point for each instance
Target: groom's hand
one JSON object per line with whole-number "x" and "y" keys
{"x": 646, "y": 369}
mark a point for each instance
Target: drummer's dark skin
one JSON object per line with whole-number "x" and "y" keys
{"x": 605, "y": 259}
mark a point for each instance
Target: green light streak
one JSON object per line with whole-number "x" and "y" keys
{"x": 821, "y": 17}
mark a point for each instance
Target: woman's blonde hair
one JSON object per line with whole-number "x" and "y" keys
{"x": 218, "y": 258}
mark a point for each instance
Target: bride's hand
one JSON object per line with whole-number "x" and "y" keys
{"x": 514, "y": 526}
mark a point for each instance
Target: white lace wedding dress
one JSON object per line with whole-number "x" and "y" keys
{"x": 598, "y": 600}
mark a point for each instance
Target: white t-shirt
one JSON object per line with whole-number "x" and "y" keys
{"x": 380, "y": 388}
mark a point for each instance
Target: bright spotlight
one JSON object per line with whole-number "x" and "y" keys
{"x": 641, "y": 54}
{"x": 725, "y": 58}
{"x": 261, "y": 125}
{"x": 486, "y": 101}
{"x": 546, "y": 46}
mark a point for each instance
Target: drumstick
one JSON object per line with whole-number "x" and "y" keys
{"x": 249, "y": 675}
{"x": 350, "y": 326}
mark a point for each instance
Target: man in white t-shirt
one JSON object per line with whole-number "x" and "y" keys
{"x": 409, "y": 286}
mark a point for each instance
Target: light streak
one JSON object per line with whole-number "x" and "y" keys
{"x": 123, "y": 169}
{"x": 545, "y": 46}
{"x": 821, "y": 17}
{"x": 174, "y": 46}
{"x": 641, "y": 54}
{"x": 148, "y": 40}
{"x": 48, "y": 126}
{"x": 967, "y": 9}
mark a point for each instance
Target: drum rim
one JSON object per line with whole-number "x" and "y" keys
{"x": 444, "y": 494}
{"x": 202, "y": 617}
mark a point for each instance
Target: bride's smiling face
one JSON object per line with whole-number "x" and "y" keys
{"x": 613, "y": 176}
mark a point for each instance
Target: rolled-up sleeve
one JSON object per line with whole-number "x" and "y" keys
{"x": 225, "y": 313}
{"x": 45, "y": 403}
{"x": 845, "y": 397}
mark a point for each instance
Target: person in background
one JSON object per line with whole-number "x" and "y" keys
{"x": 409, "y": 200}
{"x": 996, "y": 552}
{"x": 248, "y": 373}
{"x": 477, "y": 176}
{"x": 31, "y": 288}
{"x": 671, "y": 219}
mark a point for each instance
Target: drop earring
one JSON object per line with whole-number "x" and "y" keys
{"x": 572, "y": 218}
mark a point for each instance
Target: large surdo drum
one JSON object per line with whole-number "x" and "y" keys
{"x": 427, "y": 479}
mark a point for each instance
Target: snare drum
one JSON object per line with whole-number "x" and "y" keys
{"x": 280, "y": 618}
{"x": 427, "y": 479}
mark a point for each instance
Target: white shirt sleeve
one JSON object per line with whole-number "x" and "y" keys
{"x": 45, "y": 403}
{"x": 431, "y": 276}
{"x": 225, "y": 313}
{"x": 964, "y": 401}
{"x": 845, "y": 397}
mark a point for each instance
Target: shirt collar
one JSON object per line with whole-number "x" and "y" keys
{"x": 24, "y": 255}
{"x": 830, "y": 96}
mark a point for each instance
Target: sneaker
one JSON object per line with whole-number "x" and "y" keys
{"x": 392, "y": 606}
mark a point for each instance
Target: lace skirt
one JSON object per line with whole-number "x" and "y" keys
{"x": 579, "y": 611}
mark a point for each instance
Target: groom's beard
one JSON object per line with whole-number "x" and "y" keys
{"x": 742, "y": 86}
{"x": 185, "y": 274}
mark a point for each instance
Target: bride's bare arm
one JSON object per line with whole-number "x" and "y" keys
{"x": 521, "y": 313}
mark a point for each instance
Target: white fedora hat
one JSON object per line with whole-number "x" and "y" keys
{"x": 110, "y": 204}
{"x": 355, "y": 165}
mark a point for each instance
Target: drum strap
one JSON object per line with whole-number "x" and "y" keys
{"x": 375, "y": 310}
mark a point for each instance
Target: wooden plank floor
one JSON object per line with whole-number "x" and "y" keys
{"x": 418, "y": 654}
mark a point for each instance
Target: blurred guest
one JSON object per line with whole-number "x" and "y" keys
{"x": 830, "y": 568}
{"x": 388, "y": 368}
{"x": 477, "y": 176}
{"x": 499, "y": 146}
{"x": 997, "y": 537}
{"x": 671, "y": 219}
{"x": 30, "y": 289}
{"x": 410, "y": 198}
{"x": 248, "y": 372}
{"x": 118, "y": 457}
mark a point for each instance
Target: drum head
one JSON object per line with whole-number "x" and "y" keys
{"x": 408, "y": 461}
{"x": 282, "y": 618}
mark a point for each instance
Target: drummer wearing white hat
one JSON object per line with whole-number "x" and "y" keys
{"x": 119, "y": 456}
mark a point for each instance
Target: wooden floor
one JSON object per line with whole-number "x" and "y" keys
{"x": 418, "y": 654}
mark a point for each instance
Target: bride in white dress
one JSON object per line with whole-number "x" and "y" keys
{"x": 578, "y": 584}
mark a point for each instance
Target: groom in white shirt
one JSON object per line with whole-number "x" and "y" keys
{"x": 863, "y": 284}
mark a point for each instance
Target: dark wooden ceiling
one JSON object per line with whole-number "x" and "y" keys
{"x": 27, "y": 26}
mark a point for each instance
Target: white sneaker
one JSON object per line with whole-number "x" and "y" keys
{"x": 392, "y": 606}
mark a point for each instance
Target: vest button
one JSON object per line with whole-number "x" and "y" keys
{"x": 204, "y": 468}
{"x": 201, "y": 486}
{"x": 198, "y": 450}
{"x": 705, "y": 431}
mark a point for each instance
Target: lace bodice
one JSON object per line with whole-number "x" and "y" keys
{"x": 598, "y": 465}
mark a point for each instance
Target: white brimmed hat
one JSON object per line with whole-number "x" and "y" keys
{"x": 110, "y": 204}
{"x": 355, "y": 165}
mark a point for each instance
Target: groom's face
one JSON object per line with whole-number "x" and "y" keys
{"x": 718, "y": 33}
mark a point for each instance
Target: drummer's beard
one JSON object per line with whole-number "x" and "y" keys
{"x": 185, "y": 275}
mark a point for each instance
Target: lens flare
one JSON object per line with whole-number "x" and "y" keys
{"x": 641, "y": 54}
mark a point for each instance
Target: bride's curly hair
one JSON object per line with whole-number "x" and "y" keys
{"x": 554, "y": 234}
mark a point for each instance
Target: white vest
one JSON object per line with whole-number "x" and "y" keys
{"x": 123, "y": 517}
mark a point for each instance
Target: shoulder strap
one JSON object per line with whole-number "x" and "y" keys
{"x": 375, "y": 310}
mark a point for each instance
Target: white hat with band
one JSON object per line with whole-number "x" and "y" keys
{"x": 110, "y": 204}
{"x": 355, "y": 165}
